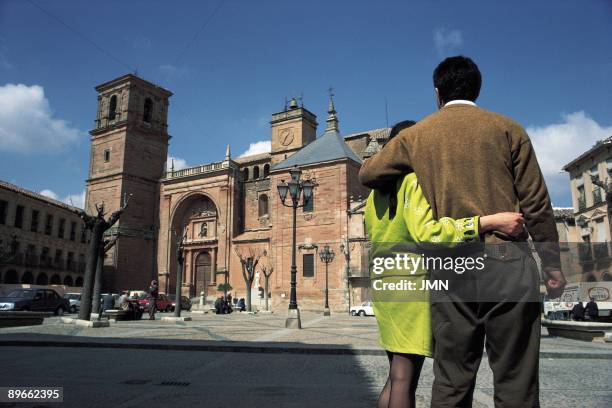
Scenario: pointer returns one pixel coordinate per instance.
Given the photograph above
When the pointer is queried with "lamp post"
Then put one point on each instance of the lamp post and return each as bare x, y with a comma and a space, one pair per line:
294, 187
327, 256
346, 251
180, 246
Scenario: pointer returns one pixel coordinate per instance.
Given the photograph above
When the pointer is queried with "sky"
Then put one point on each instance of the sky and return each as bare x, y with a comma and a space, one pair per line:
231, 63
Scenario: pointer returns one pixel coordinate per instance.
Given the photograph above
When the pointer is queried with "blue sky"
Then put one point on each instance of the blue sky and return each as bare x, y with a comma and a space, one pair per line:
547, 64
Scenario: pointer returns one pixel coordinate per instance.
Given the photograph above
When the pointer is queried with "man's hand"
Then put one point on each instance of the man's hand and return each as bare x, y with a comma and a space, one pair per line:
555, 283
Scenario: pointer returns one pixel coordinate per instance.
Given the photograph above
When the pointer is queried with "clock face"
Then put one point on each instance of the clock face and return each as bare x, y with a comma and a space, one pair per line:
286, 137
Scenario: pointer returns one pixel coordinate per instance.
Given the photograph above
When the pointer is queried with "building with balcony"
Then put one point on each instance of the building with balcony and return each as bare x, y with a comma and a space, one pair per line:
588, 173
43, 240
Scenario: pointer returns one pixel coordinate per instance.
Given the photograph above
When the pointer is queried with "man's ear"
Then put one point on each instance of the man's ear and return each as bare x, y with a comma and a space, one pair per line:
439, 100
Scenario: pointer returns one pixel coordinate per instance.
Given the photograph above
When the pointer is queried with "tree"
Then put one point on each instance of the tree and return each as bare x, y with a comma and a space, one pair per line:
224, 287
98, 225
108, 245
249, 263
267, 271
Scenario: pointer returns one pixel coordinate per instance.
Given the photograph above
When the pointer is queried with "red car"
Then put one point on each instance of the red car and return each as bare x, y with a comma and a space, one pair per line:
163, 304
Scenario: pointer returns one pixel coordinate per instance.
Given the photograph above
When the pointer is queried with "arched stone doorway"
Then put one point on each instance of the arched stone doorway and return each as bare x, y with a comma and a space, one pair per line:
68, 280
56, 280
10, 277
196, 216
203, 269
27, 278
78, 282
42, 279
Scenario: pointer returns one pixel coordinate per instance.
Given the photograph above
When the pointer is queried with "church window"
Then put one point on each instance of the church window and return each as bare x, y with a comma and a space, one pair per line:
112, 108
255, 172
148, 110
309, 205
263, 205
266, 172
308, 265
107, 155
245, 172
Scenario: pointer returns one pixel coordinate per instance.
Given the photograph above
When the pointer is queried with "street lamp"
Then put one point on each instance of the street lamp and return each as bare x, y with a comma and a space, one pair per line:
327, 256
295, 188
180, 246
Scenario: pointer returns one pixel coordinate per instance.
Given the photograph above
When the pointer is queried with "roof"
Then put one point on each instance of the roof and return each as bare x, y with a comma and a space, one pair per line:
40, 197
602, 143
331, 146
252, 158
380, 133
563, 213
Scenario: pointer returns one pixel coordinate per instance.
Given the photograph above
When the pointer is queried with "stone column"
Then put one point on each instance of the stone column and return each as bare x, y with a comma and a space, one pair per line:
213, 266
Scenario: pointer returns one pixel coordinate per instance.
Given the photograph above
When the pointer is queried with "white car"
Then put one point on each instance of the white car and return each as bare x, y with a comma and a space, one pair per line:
364, 309
75, 301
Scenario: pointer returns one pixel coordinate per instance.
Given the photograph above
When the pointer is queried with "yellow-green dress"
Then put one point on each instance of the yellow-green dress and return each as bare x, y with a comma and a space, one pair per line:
405, 326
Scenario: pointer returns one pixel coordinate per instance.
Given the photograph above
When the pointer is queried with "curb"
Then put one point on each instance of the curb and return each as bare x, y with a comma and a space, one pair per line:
244, 347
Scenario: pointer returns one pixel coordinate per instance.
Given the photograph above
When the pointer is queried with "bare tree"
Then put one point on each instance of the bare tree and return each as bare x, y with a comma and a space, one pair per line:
249, 263
267, 271
98, 225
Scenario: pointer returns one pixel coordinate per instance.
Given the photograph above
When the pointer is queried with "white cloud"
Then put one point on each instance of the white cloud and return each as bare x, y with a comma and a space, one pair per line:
447, 40
558, 144
263, 146
179, 163
49, 193
75, 200
172, 71
27, 124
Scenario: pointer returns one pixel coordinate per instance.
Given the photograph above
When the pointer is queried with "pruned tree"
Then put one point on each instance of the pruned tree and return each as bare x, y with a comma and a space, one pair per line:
98, 225
249, 262
267, 271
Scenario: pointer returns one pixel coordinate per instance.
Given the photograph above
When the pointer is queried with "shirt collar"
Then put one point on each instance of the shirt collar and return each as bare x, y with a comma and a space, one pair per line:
460, 102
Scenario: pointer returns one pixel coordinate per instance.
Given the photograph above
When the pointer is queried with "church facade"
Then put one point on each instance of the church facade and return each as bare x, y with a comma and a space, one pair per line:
230, 207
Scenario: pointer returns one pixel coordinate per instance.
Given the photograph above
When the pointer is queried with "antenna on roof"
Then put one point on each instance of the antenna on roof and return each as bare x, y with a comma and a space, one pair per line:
301, 99
386, 112
285, 108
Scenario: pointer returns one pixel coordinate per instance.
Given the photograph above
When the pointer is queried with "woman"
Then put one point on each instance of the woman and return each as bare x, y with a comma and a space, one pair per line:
405, 216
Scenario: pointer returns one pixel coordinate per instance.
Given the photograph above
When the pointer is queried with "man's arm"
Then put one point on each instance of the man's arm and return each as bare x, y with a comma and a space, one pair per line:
380, 171
535, 202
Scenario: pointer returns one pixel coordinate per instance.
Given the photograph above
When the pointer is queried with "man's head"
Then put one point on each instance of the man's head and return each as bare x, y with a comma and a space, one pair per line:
457, 78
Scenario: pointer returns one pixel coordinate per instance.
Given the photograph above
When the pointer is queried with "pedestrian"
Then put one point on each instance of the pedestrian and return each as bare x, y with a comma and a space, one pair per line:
241, 305
219, 305
578, 312
592, 311
152, 297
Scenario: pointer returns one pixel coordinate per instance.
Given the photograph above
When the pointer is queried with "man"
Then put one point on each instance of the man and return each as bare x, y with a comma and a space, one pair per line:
472, 161
152, 298
578, 312
592, 311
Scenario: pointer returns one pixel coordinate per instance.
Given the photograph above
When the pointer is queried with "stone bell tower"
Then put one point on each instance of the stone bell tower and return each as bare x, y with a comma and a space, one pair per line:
292, 129
129, 148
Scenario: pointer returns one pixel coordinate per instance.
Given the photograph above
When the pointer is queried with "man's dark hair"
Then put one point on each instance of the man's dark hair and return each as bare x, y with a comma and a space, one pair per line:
457, 78
399, 126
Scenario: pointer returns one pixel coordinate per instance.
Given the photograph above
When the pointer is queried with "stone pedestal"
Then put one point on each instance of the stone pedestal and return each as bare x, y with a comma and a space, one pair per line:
174, 319
326, 312
293, 319
92, 323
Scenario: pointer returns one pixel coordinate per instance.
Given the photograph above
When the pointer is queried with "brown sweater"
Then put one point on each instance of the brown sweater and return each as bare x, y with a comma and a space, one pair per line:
470, 161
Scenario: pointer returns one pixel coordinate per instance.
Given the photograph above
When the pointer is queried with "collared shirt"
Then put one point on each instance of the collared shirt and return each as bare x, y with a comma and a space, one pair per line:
460, 101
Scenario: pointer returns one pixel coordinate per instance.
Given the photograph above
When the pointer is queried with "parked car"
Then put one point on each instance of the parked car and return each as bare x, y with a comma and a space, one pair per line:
364, 309
185, 302
35, 300
74, 300
162, 304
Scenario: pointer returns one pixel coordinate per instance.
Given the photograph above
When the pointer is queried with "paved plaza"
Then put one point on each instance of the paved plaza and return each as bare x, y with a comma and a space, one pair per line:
332, 362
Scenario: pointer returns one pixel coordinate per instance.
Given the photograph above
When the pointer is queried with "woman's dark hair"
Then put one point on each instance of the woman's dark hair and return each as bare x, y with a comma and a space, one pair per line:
457, 78
398, 127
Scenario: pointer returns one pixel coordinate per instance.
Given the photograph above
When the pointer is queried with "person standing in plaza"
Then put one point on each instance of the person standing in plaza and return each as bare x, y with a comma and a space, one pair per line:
578, 312
472, 161
152, 297
592, 311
